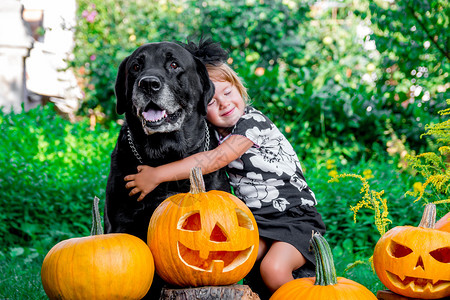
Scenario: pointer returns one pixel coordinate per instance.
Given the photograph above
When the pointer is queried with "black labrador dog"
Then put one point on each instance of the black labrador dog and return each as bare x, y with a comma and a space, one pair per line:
163, 89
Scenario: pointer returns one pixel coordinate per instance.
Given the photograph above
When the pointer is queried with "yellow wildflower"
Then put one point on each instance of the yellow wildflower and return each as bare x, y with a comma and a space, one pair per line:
418, 187
331, 164
368, 174
370, 199
333, 173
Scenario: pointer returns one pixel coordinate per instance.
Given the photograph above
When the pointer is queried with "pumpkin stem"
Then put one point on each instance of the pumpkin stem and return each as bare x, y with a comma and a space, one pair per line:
197, 183
429, 216
325, 270
97, 228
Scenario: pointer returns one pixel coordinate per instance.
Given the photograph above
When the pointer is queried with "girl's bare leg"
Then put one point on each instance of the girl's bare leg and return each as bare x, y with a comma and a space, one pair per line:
279, 262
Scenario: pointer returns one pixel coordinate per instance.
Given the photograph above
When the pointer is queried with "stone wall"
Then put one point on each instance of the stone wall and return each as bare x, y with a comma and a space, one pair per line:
15, 45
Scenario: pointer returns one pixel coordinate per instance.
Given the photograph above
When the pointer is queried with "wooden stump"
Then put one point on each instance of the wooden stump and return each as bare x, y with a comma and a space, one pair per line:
388, 295
225, 292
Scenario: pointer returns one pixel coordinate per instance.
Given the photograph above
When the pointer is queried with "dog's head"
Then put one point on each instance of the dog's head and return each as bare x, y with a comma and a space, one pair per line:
162, 84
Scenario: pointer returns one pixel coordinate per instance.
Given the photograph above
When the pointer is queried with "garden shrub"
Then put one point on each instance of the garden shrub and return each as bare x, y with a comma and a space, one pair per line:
307, 65
110, 30
434, 167
50, 171
411, 37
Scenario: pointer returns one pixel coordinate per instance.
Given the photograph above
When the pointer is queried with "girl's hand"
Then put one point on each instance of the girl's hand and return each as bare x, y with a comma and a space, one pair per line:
148, 178
143, 182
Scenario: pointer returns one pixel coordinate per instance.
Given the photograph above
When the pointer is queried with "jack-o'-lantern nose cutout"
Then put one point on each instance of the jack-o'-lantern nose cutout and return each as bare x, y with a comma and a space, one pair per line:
420, 264
217, 235
397, 250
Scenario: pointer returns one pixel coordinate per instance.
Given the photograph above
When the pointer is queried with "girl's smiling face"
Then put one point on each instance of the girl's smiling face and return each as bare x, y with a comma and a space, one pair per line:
226, 107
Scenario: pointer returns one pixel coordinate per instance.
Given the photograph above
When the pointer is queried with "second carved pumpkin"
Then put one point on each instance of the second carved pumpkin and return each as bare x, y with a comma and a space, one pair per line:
415, 261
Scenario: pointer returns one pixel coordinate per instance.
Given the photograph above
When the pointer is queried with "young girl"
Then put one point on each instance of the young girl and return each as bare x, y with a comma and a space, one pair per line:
264, 171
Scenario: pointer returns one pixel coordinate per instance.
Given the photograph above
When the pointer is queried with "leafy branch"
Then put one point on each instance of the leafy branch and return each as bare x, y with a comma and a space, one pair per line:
372, 200
433, 167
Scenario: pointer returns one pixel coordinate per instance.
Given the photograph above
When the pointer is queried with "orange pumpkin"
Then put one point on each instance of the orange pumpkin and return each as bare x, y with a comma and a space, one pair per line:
443, 223
203, 238
325, 285
101, 266
415, 261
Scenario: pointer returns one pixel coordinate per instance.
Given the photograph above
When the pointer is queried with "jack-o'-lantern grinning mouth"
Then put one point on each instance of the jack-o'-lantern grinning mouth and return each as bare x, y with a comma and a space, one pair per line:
418, 284
226, 260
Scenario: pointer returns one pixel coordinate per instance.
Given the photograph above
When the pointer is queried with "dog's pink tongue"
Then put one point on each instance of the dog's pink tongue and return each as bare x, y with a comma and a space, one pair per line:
152, 115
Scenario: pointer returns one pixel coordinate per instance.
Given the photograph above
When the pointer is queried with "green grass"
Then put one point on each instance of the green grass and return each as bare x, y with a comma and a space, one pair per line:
357, 268
21, 278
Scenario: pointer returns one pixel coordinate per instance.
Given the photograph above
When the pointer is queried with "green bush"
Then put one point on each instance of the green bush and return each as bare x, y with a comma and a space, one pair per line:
110, 30
412, 40
312, 72
50, 171
317, 73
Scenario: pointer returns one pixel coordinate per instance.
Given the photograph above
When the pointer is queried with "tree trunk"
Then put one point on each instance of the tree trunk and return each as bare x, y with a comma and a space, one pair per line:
227, 292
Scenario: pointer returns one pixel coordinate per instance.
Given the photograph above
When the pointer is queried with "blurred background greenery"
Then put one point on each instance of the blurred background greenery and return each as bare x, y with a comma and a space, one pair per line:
351, 84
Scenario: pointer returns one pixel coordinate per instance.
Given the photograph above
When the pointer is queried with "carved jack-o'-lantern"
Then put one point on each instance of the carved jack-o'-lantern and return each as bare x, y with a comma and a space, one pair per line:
415, 261
203, 238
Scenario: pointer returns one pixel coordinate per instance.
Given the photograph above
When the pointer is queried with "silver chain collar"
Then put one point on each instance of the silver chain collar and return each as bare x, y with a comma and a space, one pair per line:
207, 138
133, 148
139, 158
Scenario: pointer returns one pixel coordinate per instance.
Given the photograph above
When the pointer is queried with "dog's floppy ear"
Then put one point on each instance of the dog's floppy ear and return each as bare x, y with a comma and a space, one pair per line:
121, 88
208, 87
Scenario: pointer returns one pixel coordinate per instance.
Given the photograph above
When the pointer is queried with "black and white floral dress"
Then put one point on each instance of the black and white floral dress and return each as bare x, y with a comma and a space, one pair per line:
269, 179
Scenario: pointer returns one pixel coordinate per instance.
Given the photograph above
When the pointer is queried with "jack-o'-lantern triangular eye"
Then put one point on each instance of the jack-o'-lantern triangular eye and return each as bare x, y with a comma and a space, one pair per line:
398, 250
191, 222
243, 219
441, 255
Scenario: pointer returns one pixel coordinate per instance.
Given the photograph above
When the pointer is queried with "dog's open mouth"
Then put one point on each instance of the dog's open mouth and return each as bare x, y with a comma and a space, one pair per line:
155, 116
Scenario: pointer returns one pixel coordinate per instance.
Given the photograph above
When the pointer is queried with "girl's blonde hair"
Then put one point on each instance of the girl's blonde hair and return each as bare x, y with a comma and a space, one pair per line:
224, 72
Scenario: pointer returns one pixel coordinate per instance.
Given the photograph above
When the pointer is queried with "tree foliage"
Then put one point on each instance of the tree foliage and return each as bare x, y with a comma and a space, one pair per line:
412, 38
339, 73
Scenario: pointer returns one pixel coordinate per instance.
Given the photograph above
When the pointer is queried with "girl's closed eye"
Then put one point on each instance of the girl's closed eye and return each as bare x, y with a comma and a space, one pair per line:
213, 101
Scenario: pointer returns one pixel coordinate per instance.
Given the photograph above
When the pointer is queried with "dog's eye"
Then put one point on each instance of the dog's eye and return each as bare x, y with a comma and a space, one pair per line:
174, 65
136, 67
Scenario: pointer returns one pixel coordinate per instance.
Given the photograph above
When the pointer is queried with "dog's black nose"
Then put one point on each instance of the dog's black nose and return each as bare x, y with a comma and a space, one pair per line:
150, 83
